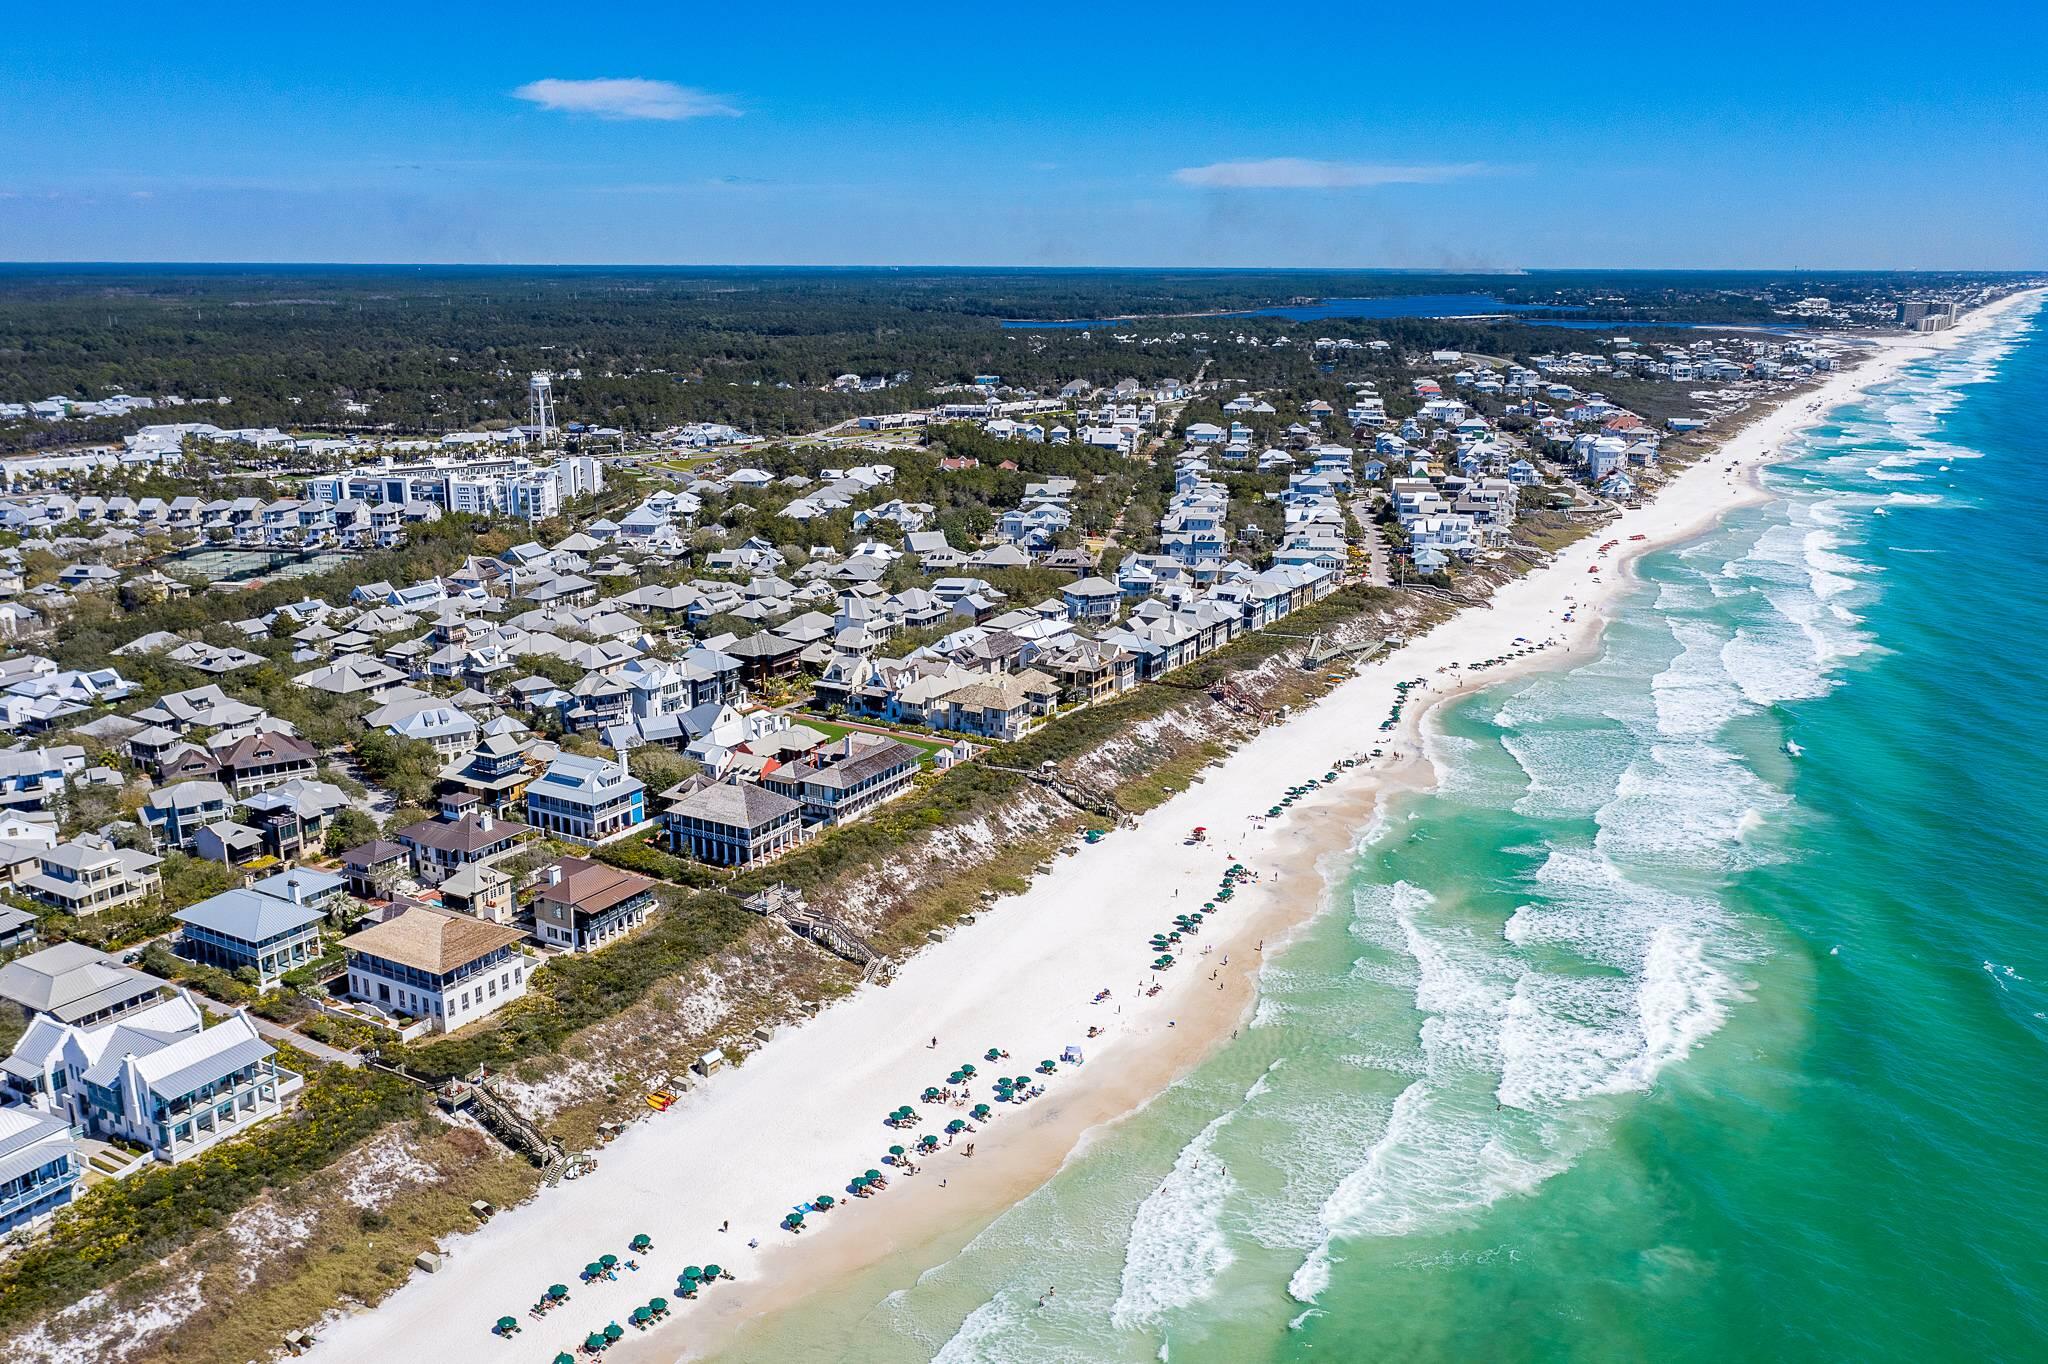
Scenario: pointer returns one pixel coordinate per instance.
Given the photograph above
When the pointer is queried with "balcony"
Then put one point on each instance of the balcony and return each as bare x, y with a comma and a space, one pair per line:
31, 1190
247, 1101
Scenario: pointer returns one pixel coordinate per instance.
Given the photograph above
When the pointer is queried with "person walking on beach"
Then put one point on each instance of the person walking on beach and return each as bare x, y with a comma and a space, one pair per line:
726, 1225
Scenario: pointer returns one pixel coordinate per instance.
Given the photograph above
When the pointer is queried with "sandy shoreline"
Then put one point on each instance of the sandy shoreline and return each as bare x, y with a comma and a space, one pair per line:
803, 1114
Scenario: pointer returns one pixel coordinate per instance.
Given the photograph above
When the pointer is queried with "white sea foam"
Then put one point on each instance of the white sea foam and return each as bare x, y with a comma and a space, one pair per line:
1312, 1277
1684, 804
985, 1337
1177, 1247
1694, 695
1570, 773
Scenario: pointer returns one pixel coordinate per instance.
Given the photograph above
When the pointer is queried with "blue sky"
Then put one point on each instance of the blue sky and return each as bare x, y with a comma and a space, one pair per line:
1466, 136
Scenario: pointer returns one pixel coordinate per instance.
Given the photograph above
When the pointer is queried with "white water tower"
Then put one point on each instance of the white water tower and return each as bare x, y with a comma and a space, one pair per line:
540, 407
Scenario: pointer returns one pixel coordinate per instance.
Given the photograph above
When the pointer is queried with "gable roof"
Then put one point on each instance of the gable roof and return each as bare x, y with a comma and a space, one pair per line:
71, 980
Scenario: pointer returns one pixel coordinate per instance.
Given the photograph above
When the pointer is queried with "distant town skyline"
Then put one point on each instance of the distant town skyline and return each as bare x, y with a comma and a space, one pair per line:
1501, 138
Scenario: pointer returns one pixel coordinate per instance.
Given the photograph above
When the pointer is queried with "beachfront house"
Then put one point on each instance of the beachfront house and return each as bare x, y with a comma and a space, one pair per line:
583, 905
448, 969
845, 779
153, 1076
40, 1167
730, 824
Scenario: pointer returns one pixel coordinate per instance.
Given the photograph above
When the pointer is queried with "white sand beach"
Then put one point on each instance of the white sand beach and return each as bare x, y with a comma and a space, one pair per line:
803, 1114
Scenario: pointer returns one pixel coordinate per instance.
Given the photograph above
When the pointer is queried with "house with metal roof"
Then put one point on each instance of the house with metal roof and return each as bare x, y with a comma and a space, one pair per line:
583, 905
180, 1096
91, 875
40, 1168
585, 799
269, 931
175, 814
153, 1076
74, 983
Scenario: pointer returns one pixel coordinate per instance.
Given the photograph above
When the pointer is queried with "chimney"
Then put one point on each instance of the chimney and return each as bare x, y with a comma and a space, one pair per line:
295, 892
483, 821
554, 873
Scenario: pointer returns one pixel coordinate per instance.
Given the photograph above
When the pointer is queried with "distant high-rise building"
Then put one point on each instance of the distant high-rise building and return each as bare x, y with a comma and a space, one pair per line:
1927, 315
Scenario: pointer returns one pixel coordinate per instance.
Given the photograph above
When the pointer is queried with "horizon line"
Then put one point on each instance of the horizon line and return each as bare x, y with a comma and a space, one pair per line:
28, 264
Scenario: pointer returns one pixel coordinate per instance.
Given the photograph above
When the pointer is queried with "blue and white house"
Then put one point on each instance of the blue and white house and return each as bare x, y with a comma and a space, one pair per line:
586, 800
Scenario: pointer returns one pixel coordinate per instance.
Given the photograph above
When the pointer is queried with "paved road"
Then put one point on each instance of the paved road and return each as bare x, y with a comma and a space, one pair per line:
277, 1033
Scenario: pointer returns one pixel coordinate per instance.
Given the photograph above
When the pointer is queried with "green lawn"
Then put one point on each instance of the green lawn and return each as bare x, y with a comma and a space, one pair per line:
831, 729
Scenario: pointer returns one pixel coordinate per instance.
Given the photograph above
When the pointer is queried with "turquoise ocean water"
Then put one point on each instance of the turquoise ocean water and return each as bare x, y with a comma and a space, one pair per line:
1701, 1013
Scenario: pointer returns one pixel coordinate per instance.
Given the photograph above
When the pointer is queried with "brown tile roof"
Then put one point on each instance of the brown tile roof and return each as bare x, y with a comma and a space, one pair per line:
465, 835
268, 747
593, 887
432, 941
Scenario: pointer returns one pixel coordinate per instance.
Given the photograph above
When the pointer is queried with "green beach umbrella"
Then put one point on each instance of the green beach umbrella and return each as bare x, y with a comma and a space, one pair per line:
874, 1175
824, 1200
565, 1358
696, 1272
992, 1054
608, 1260
712, 1271
592, 1270
595, 1341
614, 1331
506, 1323
895, 1150
643, 1314
955, 1078
659, 1304
642, 1241
558, 1290
967, 1070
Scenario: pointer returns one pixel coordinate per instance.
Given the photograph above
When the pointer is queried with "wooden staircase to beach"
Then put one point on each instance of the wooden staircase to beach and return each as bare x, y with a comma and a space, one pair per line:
785, 902
1321, 650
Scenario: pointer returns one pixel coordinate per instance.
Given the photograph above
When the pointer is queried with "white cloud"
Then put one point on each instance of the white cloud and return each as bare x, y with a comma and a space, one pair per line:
622, 97
1293, 172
